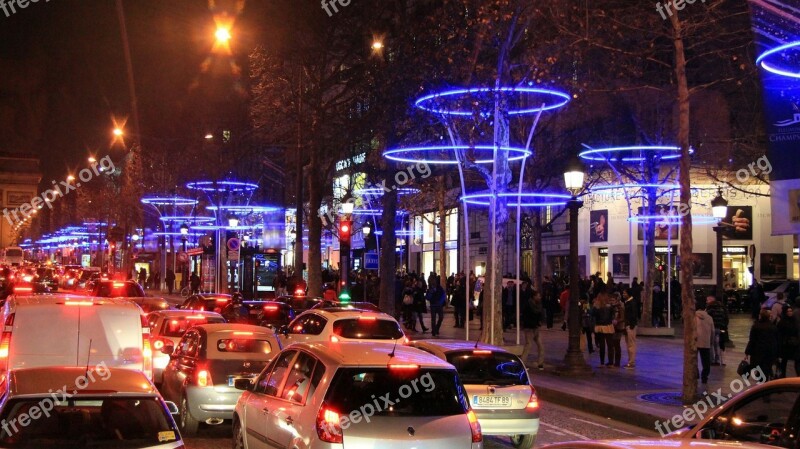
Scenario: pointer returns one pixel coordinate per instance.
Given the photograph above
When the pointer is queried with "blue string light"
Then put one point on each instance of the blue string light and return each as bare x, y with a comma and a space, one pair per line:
773, 67
435, 103
629, 154
168, 201
525, 199
447, 151
222, 186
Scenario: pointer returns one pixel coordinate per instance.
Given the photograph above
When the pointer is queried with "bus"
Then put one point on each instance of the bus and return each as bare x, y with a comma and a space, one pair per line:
12, 255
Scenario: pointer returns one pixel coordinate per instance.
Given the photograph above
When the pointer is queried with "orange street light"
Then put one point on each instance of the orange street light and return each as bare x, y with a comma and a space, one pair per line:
118, 132
223, 35
377, 45
92, 160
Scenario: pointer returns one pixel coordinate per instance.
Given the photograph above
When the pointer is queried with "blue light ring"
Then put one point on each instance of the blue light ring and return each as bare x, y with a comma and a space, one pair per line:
564, 98
589, 155
544, 199
391, 154
174, 218
672, 220
378, 191
168, 201
222, 186
774, 69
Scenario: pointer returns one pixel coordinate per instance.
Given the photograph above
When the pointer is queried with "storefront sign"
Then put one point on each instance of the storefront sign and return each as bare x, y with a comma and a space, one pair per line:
665, 249
603, 252
738, 250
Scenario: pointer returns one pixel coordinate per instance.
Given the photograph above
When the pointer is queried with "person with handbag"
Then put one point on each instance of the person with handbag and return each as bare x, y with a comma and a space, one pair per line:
418, 305
604, 327
704, 339
763, 344
618, 321
718, 313
788, 341
408, 304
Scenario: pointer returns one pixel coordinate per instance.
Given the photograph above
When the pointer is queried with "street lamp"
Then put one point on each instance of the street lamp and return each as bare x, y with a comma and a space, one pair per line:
366, 230
719, 208
117, 132
575, 363
223, 35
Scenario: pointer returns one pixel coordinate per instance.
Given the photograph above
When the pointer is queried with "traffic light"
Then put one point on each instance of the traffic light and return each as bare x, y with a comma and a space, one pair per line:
345, 228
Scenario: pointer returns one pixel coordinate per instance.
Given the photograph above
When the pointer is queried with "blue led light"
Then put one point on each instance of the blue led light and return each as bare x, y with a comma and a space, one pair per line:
552, 99
629, 154
635, 186
378, 191
525, 199
185, 219
246, 209
773, 67
222, 186
223, 227
672, 220
406, 154
168, 201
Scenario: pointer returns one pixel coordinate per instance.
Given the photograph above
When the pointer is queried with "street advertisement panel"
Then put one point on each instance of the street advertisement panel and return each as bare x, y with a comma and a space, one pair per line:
598, 228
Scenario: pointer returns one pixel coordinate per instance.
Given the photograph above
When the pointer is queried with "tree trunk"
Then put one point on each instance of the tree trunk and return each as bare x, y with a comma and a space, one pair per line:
536, 245
314, 234
440, 199
649, 252
388, 258
687, 258
298, 225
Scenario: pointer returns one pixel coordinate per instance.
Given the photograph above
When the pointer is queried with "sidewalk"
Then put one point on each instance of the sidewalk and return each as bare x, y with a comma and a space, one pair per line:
619, 393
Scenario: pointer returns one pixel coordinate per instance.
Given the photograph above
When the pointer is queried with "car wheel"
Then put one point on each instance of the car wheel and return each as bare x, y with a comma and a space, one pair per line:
523, 441
238, 435
188, 424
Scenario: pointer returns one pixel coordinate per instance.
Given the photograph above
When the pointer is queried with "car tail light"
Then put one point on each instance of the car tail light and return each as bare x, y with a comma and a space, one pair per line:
474, 427
23, 289
329, 427
147, 358
403, 366
299, 292
406, 340
271, 308
158, 344
250, 334
204, 379
367, 318
482, 352
533, 402
5, 344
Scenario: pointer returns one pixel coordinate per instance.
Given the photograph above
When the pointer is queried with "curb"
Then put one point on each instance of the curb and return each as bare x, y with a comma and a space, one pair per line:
596, 407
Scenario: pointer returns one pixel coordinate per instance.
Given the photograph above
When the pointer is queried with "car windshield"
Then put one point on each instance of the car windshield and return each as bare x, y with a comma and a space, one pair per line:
244, 345
412, 392
177, 326
488, 368
86, 422
369, 328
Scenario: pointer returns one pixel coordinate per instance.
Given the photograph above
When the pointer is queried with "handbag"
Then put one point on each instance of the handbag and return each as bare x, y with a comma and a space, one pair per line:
743, 368
408, 300
604, 329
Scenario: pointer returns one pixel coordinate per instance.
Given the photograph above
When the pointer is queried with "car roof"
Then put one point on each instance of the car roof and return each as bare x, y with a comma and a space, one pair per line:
450, 345
353, 354
173, 313
232, 327
42, 300
337, 313
45, 380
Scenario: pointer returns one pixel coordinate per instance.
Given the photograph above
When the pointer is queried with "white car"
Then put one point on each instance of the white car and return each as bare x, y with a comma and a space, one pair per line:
355, 395
497, 385
102, 407
167, 327
339, 325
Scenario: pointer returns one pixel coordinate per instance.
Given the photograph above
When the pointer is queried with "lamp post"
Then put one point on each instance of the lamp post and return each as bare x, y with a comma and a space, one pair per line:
719, 208
575, 363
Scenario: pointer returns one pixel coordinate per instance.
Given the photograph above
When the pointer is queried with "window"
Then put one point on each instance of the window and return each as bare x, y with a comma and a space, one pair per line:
272, 383
244, 345
763, 419
311, 324
358, 328
299, 378
177, 326
187, 347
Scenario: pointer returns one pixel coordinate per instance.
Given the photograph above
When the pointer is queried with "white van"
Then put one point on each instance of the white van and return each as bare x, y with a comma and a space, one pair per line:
13, 255
65, 330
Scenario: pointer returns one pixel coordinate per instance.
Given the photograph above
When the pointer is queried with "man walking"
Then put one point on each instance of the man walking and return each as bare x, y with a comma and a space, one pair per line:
719, 315
531, 319
705, 334
436, 297
631, 321
509, 304
170, 278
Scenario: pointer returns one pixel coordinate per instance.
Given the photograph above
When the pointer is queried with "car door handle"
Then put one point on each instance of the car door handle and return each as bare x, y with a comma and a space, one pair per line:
265, 410
289, 420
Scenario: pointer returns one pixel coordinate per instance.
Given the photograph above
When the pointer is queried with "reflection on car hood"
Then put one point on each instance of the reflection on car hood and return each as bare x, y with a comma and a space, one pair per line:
655, 443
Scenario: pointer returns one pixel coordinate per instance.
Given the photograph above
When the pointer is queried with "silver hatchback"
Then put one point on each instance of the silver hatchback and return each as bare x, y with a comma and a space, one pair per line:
498, 387
355, 395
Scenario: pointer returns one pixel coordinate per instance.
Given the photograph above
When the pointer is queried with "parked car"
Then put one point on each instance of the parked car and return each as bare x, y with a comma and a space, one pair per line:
66, 330
118, 408
259, 313
497, 386
167, 327
339, 325
212, 302
299, 303
323, 395
204, 366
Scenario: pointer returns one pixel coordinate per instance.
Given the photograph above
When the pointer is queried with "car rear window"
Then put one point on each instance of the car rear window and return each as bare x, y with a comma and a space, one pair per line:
176, 327
411, 392
244, 345
371, 329
96, 422
488, 368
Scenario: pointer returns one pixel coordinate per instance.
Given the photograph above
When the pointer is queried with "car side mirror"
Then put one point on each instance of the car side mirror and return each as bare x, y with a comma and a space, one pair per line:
173, 409
168, 349
707, 433
243, 384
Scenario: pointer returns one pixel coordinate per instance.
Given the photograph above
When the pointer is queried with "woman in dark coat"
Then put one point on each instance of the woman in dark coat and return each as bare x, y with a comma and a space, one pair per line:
419, 303
788, 341
459, 303
763, 345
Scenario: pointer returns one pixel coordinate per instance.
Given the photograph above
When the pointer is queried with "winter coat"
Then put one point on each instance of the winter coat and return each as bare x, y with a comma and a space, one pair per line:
719, 314
763, 344
631, 313
436, 296
705, 329
419, 301
788, 338
619, 316
530, 312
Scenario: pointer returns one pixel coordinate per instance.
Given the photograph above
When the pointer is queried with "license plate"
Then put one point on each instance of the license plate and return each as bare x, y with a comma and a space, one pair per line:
254, 312
491, 400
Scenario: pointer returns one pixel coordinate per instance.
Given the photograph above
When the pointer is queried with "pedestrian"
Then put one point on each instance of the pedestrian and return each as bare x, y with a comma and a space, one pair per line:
143, 277
170, 278
419, 303
408, 306
659, 301
451, 283
631, 321
509, 304
194, 283
587, 323
562, 303
756, 298
548, 294
788, 342
437, 298
619, 328
604, 327
762, 348
157, 280
704, 339
719, 314
776, 312
460, 302
530, 319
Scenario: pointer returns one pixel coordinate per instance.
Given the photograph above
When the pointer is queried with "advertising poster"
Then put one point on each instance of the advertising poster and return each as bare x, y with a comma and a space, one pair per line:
773, 266
666, 228
598, 227
621, 265
703, 266
738, 223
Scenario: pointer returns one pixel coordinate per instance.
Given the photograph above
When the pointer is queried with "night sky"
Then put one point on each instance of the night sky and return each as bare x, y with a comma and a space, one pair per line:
64, 77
